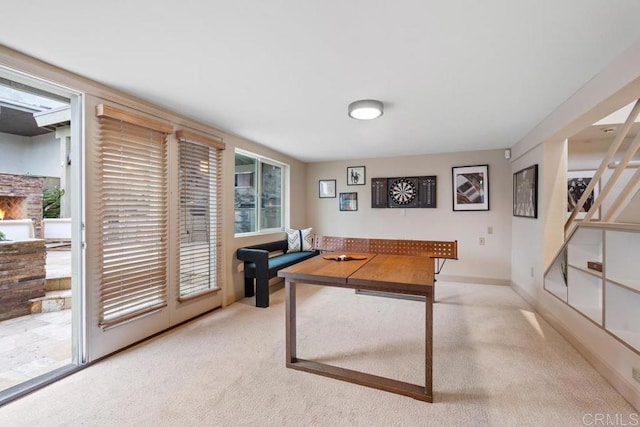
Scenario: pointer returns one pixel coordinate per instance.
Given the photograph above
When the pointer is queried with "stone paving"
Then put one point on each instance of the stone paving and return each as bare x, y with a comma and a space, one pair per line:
38, 343
33, 345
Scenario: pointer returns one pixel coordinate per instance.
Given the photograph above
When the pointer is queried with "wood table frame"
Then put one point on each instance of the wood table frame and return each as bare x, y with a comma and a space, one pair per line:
412, 275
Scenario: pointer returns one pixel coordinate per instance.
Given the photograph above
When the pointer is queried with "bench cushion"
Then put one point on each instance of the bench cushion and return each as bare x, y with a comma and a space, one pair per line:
279, 262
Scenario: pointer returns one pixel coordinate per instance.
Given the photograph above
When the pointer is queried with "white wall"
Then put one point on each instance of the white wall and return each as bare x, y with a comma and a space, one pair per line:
527, 260
38, 155
489, 263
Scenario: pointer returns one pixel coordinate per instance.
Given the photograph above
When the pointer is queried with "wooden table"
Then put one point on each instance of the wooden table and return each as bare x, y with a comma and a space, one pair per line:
402, 274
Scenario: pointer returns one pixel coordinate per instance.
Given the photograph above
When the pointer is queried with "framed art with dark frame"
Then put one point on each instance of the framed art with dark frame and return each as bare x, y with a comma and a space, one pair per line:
327, 188
577, 182
525, 192
348, 201
470, 185
356, 175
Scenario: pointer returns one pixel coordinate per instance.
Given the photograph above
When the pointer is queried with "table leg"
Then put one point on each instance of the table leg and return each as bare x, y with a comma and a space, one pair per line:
290, 302
429, 343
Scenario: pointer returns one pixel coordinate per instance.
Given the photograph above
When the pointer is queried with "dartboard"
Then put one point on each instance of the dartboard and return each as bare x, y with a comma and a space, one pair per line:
402, 191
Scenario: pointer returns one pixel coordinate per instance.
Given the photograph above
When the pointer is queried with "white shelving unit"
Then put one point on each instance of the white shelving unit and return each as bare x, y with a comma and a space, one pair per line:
610, 298
585, 293
554, 281
622, 258
622, 309
585, 246
584, 284
623, 314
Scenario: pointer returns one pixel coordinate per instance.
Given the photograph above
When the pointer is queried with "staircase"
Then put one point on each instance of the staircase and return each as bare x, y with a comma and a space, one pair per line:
596, 271
621, 194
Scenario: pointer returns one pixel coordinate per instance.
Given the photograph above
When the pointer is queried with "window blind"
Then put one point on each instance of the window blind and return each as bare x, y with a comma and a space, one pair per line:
200, 253
133, 215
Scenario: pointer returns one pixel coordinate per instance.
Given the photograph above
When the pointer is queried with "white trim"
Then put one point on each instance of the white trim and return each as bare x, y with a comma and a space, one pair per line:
478, 280
284, 191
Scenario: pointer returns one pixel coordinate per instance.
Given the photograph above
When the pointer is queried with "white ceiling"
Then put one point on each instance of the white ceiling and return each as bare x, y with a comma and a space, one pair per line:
454, 75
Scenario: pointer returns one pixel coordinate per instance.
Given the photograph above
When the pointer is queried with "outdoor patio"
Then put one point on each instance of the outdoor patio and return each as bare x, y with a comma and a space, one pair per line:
38, 343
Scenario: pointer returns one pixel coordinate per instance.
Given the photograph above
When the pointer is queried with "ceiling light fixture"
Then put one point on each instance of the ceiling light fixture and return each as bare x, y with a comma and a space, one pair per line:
365, 109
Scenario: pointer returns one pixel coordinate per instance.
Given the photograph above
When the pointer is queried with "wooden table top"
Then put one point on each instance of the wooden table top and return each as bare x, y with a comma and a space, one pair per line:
410, 274
319, 269
406, 273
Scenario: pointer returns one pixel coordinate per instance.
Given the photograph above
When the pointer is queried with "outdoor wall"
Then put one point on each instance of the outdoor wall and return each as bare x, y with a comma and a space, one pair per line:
489, 263
22, 155
13, 147
46, 149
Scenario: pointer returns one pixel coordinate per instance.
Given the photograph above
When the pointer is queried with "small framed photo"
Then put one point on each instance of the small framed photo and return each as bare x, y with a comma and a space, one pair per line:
356, 175
327, 188
348, 201
577, 182
525, 192
470, 188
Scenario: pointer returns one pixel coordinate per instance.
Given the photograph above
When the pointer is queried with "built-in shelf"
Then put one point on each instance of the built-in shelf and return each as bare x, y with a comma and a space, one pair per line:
585, 293
585, 246
592, 272
622, 258
611, 297
554, 280
623, 314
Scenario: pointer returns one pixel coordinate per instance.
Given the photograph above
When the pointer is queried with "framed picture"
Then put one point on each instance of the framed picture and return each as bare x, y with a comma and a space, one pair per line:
525, 192
470, 188
327, 188
356, 175
348, 201
577, 182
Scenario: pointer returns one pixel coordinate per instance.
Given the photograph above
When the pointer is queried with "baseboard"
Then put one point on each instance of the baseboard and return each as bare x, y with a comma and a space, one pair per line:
479, 280
617, 381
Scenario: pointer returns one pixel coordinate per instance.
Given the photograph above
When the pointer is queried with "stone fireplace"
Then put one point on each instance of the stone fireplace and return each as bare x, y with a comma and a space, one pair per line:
21, 198
13, 207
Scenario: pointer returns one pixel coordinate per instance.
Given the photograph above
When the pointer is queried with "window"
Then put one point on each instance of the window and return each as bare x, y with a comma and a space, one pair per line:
259, 189
200, 214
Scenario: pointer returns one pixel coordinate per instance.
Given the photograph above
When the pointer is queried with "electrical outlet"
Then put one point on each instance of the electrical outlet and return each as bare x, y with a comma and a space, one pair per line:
490, 230
635, 373
482, 241
531, 271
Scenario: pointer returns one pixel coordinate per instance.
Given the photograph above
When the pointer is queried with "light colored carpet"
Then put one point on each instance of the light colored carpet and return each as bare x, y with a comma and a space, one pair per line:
496, 363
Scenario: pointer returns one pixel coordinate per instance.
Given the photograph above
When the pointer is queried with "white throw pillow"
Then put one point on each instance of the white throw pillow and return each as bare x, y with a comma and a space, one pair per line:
299, 240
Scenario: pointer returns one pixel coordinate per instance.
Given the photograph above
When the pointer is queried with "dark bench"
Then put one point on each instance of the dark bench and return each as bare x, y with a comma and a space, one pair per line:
261, 265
